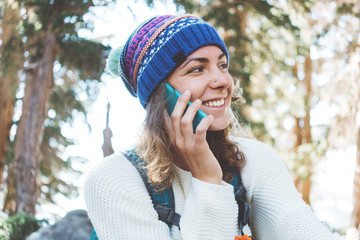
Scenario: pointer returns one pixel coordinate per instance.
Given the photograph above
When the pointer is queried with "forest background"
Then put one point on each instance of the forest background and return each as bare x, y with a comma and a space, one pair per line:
299, 65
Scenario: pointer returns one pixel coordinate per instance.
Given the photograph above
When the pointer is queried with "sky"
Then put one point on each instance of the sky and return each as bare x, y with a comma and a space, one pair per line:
332, 188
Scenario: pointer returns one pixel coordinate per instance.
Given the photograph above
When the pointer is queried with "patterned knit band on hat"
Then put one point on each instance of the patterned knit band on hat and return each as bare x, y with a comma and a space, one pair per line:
157, 47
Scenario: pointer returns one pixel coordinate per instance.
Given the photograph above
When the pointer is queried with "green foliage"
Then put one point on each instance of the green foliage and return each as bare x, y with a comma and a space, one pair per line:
187, 5
87, 57
56, 13
77, 71
306, 152
346, 8
10, 153
65, 18
65, 106
52, 164
18, 227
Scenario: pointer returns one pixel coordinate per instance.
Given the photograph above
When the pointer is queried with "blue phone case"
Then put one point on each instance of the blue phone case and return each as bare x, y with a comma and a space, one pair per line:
171, 98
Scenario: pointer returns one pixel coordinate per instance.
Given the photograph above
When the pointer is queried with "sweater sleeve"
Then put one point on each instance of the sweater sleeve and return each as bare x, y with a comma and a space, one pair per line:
118, 203
277, 210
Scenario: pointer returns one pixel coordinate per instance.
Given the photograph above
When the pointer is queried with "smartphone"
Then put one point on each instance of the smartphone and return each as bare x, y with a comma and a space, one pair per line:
172, 97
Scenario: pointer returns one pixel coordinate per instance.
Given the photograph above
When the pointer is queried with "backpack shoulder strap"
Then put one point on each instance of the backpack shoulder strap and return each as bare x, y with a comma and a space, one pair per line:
164, 202
240, 196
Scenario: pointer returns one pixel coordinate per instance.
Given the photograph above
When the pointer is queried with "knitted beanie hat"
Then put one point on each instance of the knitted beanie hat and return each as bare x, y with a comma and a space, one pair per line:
156, 48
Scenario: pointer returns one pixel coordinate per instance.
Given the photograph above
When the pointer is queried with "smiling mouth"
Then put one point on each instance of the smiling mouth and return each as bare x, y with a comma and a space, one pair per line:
215, 103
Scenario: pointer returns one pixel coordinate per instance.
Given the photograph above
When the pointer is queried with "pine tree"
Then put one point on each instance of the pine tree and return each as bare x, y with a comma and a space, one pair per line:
50, 28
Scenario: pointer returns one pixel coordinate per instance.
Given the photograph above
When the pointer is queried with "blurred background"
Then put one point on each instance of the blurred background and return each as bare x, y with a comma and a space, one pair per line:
61, 112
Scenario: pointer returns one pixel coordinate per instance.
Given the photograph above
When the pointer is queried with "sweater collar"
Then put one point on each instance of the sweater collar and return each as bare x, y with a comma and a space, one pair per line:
184, 178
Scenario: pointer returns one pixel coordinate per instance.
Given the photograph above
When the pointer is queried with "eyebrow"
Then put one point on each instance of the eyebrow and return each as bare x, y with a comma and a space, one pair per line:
200, 59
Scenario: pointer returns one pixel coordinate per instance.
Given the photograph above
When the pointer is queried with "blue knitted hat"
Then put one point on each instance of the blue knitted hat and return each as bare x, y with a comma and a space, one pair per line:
156, 48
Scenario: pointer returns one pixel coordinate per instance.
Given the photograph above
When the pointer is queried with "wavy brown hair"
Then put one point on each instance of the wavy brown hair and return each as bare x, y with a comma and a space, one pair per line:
155, 148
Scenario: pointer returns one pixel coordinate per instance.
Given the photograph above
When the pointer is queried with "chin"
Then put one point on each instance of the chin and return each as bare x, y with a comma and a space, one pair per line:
218, 126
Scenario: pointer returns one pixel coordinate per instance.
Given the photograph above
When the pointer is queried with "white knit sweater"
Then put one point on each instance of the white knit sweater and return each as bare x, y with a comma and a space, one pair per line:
120, 207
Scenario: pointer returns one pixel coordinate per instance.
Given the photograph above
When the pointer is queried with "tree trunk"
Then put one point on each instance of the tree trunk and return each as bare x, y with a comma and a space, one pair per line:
10, 64
354, 230
107, 146
39, 82
302, 130
306, 185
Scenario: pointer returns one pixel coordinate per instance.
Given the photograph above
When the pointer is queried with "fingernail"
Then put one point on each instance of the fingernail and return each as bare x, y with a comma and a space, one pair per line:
198, 101
187, 93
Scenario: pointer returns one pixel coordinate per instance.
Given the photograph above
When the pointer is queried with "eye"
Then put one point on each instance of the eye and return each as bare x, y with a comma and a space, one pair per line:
223, 66
196, 69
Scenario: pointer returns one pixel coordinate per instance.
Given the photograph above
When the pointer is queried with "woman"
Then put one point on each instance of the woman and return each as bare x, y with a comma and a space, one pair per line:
188, 54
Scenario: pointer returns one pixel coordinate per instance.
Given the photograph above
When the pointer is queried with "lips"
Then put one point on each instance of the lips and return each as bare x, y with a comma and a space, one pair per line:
215, 103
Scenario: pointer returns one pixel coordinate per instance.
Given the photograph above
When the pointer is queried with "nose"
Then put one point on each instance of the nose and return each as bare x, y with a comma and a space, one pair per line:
220, 79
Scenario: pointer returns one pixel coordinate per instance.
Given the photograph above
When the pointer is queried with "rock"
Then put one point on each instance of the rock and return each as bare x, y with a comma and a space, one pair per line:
75, 225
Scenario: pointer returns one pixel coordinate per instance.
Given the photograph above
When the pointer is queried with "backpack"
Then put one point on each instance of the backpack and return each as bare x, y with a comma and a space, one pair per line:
164, 202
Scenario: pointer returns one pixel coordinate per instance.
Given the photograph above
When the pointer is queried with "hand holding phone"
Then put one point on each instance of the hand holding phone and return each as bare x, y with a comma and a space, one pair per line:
196, 155
172, 97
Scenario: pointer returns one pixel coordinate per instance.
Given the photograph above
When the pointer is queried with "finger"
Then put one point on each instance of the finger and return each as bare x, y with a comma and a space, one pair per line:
178, 112
188, 118
202, 128
168, 127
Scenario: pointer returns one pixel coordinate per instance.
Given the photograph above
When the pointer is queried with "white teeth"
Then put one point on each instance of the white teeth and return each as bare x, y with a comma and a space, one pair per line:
216, 103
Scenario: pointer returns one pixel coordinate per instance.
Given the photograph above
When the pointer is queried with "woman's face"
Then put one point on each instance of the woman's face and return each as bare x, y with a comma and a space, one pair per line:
204, 73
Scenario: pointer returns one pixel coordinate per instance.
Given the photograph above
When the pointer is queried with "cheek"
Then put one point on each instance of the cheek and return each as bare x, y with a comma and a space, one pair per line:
192, 85
178, 83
